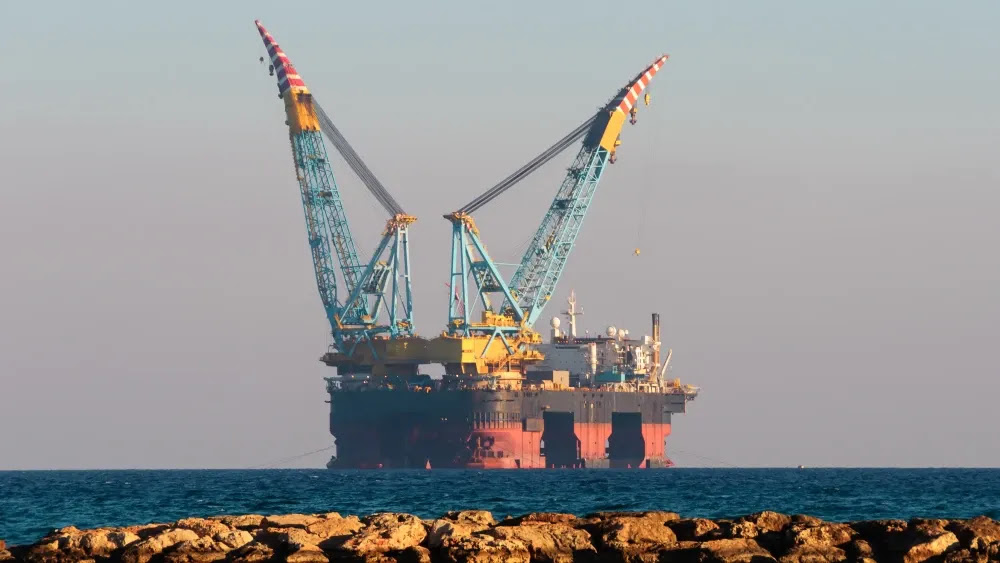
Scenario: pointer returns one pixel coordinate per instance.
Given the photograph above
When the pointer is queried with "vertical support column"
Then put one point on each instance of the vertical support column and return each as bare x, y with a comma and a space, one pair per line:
593, 439
404, 235
656, 342
394, 260
458, 279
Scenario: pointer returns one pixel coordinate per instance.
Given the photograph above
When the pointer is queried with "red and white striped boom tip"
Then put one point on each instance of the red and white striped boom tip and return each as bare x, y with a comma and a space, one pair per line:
286, 73
640, 84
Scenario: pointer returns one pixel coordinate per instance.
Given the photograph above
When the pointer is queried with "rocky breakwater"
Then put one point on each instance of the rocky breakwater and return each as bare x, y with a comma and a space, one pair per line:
476, 536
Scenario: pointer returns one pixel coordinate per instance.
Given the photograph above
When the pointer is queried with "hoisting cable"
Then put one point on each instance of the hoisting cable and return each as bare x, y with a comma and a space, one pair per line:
354, 161
704, 458
534, 164
287, 459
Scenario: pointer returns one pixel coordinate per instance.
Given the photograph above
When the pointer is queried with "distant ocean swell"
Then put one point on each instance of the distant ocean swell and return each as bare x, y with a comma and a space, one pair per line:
32, 503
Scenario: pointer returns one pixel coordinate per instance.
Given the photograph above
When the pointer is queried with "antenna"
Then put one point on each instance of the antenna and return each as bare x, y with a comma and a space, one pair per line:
571, 314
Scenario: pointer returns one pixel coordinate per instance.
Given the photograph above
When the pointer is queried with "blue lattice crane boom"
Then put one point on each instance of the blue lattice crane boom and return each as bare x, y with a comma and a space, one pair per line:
545, 258
375, 302
501, 339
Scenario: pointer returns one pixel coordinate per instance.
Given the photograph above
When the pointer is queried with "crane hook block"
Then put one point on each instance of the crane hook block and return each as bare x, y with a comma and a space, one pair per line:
647, 98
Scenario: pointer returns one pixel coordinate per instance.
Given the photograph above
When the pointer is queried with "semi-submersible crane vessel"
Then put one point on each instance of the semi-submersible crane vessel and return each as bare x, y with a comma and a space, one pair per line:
507, 399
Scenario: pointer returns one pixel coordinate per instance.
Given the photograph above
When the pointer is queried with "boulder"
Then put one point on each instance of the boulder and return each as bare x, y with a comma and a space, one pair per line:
805, 519
122, 538
242, 522
879, 533
201, 550
144, 550
819, 535
767, 528
203, 526
742, 529
814, 554
417, 554
965, 556
928, 527
386, 532
409, 555
146, 531
253, 552
288, 521
99, 542
234, 538
769, 521
659, 515
477, 517
860, 549
976, 533
547, 542
631, 535
443, 530
335, 526
307, 554
930, 547
457, 525
545, 517
734, 551
691, 529
287, 539
485, 549
44, 549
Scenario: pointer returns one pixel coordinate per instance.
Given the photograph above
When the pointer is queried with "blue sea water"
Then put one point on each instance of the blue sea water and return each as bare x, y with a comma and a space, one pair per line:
34, 502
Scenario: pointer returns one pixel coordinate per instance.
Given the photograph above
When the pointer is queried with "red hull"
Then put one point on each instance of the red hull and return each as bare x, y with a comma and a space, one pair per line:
501, 429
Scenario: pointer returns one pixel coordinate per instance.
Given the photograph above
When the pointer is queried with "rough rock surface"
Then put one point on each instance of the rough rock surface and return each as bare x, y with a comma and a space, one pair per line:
693, 529
976, 533
243, 522
547, 542
203, 549
335, 527
387, 532
484, 549
235, 539
475, 536
814, 554
632, 535
289, 521
203, 527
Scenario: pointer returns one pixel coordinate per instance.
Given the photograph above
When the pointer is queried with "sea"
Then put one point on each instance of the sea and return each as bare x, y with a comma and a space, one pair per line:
33, 503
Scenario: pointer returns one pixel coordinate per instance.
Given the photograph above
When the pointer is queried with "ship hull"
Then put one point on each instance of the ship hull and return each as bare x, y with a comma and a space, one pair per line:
502, 429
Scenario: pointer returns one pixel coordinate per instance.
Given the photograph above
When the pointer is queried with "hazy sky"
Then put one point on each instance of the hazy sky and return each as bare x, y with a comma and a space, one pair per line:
814, 191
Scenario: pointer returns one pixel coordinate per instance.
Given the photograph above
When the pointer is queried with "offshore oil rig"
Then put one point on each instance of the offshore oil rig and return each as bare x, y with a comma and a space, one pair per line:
507, 399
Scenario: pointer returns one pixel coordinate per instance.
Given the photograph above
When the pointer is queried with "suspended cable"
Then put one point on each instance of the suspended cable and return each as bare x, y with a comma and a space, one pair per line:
356, 164
532, 165
354, 161
292, 458
703, 458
